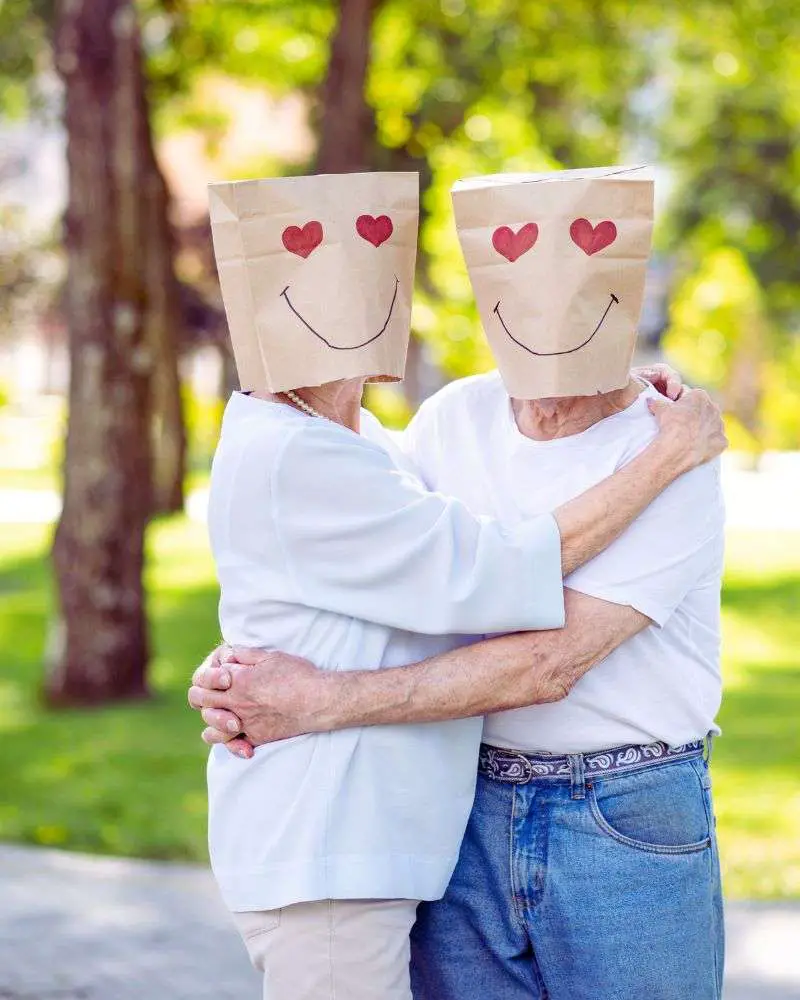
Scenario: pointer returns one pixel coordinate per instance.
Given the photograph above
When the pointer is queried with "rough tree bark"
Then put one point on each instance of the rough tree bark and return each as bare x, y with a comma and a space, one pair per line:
347, 126
115, 286
163, 322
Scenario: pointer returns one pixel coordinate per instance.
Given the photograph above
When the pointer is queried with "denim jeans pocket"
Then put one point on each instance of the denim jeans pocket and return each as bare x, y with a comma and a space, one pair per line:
661, 810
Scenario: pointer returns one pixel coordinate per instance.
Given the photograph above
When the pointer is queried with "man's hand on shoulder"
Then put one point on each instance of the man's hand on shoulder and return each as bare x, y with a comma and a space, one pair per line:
695, 427
691, 430
248, 697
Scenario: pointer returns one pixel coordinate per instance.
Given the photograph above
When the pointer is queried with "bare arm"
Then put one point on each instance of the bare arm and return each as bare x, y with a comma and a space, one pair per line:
497, 674
280, 695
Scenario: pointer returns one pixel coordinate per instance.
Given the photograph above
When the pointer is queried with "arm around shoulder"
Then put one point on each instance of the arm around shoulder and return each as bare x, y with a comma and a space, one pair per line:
364, 538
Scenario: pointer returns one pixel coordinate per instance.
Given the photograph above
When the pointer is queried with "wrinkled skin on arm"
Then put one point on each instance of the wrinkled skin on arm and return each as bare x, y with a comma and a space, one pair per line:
275, 695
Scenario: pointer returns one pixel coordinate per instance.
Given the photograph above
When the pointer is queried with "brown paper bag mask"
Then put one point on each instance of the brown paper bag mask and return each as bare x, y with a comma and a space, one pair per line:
557, 263
317, 275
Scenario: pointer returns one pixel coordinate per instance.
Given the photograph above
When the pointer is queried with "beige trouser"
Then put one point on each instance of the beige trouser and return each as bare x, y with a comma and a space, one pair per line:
333, 949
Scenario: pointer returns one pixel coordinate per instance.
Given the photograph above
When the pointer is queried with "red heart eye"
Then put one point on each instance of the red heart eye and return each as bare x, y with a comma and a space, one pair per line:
513, 245
374, 231
302, 241
591, 238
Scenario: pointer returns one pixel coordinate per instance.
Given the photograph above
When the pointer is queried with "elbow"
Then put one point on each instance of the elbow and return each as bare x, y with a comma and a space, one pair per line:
556, 689
552, 680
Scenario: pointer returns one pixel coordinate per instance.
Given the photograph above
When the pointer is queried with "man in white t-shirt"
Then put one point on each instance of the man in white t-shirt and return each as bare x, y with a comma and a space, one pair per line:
593, 873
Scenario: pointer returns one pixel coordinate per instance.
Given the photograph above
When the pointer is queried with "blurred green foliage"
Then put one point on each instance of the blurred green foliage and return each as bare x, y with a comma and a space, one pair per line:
723, 333
709, 90
733, 135
389, 405
24, 53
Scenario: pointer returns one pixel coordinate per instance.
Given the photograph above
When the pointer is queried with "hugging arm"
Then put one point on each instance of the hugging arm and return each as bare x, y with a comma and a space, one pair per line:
278, 696
674, 547
502, 673
690, 434
364, 539
374, 544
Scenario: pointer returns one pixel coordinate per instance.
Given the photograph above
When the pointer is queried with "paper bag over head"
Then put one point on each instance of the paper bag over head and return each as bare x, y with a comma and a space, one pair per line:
317, 275
557, 263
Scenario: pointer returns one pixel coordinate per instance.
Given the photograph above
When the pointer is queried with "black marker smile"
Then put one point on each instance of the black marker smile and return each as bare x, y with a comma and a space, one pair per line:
335, 347
552, 354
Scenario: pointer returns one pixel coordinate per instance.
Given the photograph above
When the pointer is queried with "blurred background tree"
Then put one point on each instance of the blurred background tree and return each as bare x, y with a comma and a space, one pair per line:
732, 137
122, 312
711, 94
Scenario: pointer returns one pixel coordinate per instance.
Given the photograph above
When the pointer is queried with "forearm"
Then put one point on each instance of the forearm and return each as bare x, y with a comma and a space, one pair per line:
593, 520
494, 675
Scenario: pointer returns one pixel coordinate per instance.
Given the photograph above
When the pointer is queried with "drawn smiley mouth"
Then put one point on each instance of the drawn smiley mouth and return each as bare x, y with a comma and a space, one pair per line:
551, 354
337, 347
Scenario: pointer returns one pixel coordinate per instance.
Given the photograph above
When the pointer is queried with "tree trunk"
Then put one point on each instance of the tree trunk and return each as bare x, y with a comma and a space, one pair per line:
163, 321
99, 547
169, 434
347, 120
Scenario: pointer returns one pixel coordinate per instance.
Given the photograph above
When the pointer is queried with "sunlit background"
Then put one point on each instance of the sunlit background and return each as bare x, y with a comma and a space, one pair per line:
709, 92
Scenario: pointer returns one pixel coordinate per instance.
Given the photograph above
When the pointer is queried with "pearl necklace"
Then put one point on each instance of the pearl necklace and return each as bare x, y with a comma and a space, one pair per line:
301, 404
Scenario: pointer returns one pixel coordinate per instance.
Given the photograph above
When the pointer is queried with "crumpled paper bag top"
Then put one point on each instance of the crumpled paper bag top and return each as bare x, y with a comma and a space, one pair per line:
317, 275
557, 262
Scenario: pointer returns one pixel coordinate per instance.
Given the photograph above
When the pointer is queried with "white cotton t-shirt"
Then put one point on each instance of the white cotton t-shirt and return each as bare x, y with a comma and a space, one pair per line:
328, 547
664, 683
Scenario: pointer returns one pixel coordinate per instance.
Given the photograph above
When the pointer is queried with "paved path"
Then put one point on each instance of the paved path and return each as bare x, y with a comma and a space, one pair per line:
74, 927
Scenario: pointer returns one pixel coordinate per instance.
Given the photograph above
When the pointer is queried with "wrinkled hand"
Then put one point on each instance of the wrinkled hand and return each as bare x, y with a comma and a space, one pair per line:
662, 377
691, 427
248, 697
214, 675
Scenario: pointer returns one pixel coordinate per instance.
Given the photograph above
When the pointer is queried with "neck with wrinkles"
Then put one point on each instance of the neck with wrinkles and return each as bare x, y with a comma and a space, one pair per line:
339, 401
547, 419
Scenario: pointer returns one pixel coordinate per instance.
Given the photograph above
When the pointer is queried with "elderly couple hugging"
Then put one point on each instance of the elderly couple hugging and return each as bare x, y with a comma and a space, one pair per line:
461, 718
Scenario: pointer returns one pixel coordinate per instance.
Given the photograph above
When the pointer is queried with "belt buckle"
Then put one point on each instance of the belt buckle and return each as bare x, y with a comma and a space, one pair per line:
525, 773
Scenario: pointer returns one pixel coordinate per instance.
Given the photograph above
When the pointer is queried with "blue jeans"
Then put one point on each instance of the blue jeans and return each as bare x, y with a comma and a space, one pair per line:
608, 890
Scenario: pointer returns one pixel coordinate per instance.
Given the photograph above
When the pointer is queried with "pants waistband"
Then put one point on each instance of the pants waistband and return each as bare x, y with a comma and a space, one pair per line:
517, 768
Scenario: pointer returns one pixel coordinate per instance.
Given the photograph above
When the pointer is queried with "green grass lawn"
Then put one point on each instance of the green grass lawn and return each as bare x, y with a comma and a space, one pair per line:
130, 780
757, 761
126, 780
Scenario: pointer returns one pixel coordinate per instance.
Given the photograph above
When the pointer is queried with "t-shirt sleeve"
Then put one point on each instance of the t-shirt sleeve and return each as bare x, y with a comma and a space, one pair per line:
363, 538
675, 545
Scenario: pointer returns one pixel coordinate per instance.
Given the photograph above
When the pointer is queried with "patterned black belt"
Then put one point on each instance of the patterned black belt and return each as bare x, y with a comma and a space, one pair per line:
519, 768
